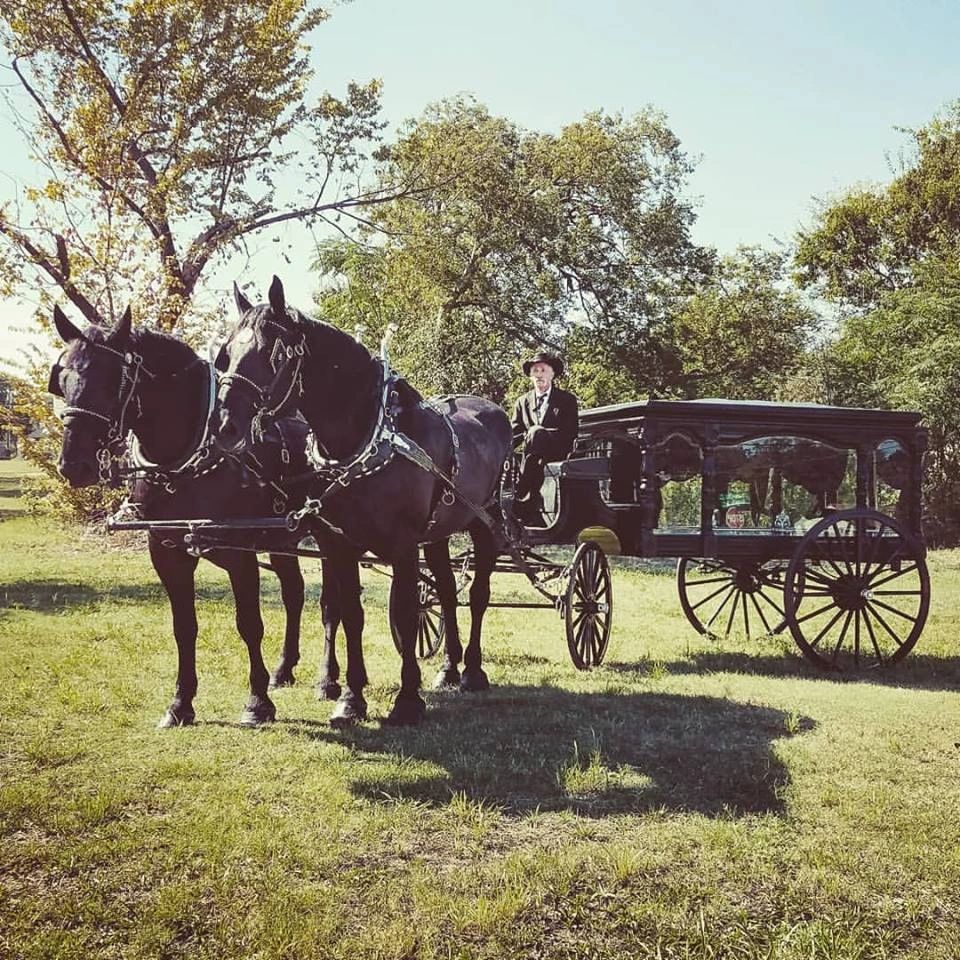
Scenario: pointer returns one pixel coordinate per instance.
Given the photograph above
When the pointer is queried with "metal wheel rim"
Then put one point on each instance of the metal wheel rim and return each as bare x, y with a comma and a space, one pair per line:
588, 606
849, 605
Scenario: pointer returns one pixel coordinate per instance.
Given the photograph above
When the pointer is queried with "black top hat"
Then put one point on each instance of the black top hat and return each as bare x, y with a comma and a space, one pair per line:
542, 356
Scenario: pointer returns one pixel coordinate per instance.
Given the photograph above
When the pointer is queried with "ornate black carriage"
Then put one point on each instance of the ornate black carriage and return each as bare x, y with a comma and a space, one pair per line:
781, 516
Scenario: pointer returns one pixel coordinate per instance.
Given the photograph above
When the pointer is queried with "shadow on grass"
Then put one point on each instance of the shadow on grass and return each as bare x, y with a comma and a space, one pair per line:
52, 596
528, 748
916, 671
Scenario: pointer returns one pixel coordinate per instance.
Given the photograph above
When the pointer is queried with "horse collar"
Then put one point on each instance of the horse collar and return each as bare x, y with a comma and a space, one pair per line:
194, 462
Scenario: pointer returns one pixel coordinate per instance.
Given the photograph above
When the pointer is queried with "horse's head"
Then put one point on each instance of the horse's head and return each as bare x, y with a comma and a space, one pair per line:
259, 367
95, 377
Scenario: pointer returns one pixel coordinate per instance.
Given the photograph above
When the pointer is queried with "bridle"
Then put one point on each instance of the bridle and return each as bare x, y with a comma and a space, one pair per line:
286, 361
109, 449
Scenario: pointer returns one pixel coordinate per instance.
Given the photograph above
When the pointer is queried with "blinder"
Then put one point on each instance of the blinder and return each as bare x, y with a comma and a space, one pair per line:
53, 385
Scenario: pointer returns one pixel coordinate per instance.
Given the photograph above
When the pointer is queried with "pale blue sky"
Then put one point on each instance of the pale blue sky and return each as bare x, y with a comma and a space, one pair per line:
781, 102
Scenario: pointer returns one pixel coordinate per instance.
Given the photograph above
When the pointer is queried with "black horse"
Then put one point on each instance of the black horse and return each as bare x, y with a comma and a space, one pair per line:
156, 387
396, 471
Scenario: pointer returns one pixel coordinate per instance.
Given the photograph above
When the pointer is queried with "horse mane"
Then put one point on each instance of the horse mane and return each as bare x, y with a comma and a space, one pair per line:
167, 353
162, 353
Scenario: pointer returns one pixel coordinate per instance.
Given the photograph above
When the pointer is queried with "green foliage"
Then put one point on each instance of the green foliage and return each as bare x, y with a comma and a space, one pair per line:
577, 240
163, 127
873, 241
163, 131
30, 417
888, 256
742, 333
906, 354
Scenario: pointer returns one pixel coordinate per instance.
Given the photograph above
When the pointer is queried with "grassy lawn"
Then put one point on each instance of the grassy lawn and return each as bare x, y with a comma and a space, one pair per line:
11, 473
684, 800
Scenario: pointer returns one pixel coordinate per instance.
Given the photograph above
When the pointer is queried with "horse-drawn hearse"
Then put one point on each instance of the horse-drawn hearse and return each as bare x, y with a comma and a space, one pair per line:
781, 516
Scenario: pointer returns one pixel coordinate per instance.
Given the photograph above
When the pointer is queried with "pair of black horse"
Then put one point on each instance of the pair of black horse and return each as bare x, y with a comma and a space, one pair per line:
392, 472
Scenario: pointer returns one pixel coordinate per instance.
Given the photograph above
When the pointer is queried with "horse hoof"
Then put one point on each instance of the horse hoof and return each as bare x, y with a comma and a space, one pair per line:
447, 679
330, 690
179, 718
407, 712
474, 681
282, 678
350, 710
259, 715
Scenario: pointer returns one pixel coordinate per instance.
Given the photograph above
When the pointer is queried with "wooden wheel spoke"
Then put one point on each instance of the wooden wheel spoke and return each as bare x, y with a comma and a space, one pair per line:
871, 559
815, 613
582, 644
731, 591
886, 626
873, 637
826, 558
843, 632
733, 613
886, 606
826, 629
728, 588
763, 619
818, 577
893, 576
708, 580
773, 603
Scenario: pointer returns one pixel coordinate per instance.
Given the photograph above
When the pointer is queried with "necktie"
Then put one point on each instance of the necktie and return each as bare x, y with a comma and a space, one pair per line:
538, 409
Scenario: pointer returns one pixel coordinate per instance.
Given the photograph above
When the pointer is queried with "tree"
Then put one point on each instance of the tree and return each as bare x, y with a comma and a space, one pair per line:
579, 238
905, 354
870, 241
744, 333
162, 130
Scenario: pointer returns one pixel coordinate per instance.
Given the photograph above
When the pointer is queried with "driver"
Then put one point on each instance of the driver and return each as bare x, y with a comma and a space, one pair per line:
545, 424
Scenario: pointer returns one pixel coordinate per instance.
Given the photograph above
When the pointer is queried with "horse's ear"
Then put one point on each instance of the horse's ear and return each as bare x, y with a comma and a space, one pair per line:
277, 300
121, 329
243, 304
68, 332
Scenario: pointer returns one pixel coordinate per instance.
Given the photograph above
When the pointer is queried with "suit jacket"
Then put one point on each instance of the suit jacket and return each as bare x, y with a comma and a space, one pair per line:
560, 422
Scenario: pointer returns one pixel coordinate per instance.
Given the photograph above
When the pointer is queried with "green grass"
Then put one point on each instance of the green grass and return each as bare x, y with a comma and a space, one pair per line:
685, 800
11, 499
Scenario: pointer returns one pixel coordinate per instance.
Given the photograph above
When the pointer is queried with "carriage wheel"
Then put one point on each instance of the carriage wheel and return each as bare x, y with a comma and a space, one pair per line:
743, 598
588, 606
430, 624
857, 591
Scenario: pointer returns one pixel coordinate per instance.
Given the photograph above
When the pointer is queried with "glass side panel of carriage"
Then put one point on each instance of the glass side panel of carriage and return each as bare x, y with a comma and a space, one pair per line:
848, 580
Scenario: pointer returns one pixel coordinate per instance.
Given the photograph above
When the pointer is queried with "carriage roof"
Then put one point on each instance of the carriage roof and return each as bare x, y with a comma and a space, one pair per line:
752, 417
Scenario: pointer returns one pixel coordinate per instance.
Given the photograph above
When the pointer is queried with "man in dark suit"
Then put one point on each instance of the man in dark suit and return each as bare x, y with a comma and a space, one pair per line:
545, 423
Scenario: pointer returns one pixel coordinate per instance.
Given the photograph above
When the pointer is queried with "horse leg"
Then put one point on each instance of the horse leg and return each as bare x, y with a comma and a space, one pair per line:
351, 706
175, 569
288, 573
484, 557
245, 581
409, 707
437, 556
330, 612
